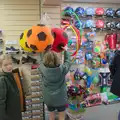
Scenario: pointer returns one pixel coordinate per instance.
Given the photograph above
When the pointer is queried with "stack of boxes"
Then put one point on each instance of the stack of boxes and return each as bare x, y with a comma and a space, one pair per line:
34, 103
27, 115
37, 97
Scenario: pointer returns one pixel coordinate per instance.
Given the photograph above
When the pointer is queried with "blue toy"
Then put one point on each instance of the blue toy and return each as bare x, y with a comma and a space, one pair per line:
79, 24
80, 11
89, 24
110, 12
90, 11
117, 13
68, 11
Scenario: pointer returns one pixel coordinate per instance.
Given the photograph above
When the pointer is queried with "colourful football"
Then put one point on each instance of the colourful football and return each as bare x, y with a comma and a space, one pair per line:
60, 39
23, 41
40, 38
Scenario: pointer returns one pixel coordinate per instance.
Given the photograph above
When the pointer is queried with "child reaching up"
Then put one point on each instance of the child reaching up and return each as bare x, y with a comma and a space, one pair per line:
54, 86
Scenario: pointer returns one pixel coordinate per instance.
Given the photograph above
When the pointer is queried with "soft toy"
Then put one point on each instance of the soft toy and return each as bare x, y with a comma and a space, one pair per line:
39, 38
23, 41
60, 39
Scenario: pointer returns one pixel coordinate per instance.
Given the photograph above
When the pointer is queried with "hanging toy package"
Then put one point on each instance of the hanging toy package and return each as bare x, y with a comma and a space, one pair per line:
45, 19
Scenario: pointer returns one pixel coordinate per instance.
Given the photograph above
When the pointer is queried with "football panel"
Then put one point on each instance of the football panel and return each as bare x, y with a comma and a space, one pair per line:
53, 34
26, 45
34, 47
59, 47
48, 47
21, 36
41, 25
29, 33
41, 36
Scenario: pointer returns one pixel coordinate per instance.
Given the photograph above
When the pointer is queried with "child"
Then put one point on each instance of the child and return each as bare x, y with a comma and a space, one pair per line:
54, 88
9, 93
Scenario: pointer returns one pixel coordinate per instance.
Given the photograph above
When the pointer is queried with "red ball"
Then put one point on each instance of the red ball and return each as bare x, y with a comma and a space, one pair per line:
60, 39
99, 11
99, 24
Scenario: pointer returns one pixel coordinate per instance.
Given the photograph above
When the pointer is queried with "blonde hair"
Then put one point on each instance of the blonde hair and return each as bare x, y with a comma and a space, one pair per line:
51, 59
4, 57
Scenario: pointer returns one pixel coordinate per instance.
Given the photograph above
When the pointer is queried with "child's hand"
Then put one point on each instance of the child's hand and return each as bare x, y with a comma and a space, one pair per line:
65, 48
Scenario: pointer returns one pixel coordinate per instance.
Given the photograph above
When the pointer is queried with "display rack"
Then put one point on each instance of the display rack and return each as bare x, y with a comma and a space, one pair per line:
34, 102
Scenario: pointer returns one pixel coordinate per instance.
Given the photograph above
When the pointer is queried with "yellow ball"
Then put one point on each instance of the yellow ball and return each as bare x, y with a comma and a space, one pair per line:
23, 42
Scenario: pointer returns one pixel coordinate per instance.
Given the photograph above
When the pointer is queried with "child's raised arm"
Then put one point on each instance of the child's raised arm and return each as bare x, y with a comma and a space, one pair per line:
67, 62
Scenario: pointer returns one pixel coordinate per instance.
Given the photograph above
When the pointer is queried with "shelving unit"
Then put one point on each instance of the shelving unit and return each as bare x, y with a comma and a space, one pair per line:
34, 103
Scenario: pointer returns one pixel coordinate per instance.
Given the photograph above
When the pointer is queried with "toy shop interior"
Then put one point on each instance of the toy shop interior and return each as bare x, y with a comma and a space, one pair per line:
91, 31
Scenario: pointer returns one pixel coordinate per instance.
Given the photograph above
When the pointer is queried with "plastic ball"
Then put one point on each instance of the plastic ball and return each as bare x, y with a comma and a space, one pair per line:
79, 24
80, 11
108, 25
113, 25
89, 24
68, 11
60, 39
117, 13
23, 42
118, 25
110, 12
90, 11
99, 11
39, 38
99, 24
